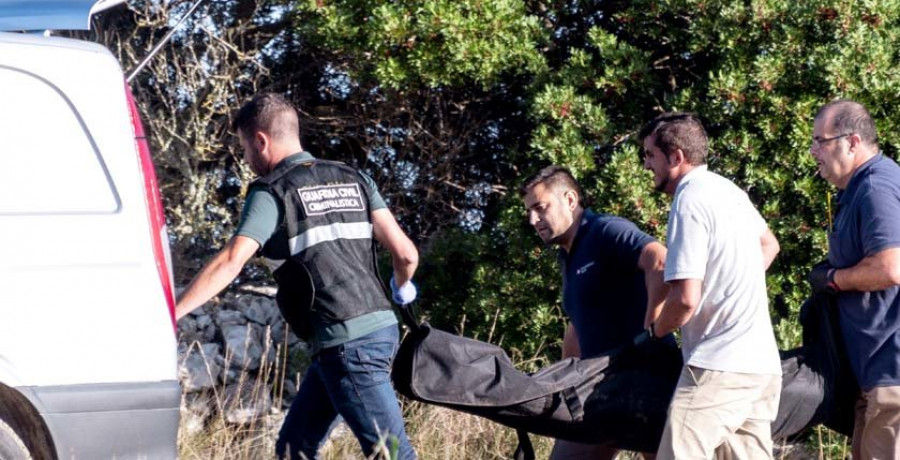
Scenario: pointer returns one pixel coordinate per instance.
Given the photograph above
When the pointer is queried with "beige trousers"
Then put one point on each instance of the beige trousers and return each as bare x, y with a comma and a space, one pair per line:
876, 432
721, 415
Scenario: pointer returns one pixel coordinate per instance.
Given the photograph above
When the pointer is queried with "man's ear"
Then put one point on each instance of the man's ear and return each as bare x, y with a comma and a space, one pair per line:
855, 143
677, 158
571, 199
261, 140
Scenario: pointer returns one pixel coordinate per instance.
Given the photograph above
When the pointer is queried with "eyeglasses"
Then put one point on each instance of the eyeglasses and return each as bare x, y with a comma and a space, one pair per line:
819, 141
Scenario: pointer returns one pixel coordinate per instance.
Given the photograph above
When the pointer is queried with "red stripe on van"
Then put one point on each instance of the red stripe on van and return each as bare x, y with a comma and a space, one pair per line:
158, 233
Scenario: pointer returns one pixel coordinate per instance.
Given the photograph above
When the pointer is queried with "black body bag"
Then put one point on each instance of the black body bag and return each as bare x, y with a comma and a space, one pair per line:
619, 400
817, 386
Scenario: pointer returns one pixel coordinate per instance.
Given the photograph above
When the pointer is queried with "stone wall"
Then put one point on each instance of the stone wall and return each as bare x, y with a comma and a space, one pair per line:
238, 359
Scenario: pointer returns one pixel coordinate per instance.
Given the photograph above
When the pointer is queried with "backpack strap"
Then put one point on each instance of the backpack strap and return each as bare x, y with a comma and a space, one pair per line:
573, 402
524, 451
409, 317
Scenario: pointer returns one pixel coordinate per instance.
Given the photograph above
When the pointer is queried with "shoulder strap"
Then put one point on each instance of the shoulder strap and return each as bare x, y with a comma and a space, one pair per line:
409, 316
524, 451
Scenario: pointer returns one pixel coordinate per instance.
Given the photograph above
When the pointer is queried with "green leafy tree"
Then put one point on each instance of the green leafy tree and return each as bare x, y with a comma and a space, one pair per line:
584, 77
450, 104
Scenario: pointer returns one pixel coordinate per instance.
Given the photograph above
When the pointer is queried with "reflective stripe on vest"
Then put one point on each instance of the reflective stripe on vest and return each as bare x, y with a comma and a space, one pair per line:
333, 232
328, 237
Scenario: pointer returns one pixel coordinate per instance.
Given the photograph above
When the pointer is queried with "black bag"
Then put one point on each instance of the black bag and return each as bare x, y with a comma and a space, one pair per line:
619, 400
818, 386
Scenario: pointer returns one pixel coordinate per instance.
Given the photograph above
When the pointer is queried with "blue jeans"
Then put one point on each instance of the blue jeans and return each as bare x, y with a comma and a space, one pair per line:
353, 380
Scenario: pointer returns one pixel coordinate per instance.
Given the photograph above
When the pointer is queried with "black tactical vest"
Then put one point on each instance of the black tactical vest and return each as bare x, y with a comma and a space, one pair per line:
330, 272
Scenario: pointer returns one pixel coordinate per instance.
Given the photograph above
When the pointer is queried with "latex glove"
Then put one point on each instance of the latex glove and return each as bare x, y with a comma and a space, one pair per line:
404, 294
821, 278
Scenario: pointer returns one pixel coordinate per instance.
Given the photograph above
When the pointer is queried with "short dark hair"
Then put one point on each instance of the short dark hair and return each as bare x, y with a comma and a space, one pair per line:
679, 130
851, 117
552, 177
270, 113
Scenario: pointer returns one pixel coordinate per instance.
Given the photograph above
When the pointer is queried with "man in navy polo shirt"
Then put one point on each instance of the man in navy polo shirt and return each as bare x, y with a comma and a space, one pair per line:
863, 267
612, 276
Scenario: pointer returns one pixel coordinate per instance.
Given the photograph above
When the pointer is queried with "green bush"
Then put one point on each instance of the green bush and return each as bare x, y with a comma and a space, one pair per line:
449, 104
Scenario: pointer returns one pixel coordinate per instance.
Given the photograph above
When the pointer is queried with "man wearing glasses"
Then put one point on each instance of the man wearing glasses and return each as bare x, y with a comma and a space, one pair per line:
863, 267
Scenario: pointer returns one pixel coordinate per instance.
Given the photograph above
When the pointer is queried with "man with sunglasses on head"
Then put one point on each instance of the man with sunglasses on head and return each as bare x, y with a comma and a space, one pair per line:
719, 248
863, 267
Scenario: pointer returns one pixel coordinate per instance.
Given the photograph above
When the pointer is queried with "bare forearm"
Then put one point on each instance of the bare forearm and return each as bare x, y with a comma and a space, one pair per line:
404, 255
874, 273
673, 316
657, 290
216, 274
405, 265
571, 349
653, 263
214, 277
682, 301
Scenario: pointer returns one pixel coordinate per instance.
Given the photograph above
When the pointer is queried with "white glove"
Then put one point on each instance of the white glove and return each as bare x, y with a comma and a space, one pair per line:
404, 294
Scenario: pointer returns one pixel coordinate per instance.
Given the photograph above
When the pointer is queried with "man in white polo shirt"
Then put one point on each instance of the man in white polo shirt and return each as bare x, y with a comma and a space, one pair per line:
719, 248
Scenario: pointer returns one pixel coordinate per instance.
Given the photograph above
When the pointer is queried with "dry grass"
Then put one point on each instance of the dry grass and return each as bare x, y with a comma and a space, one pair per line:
215, 437
224, 441
436, 433
439, 433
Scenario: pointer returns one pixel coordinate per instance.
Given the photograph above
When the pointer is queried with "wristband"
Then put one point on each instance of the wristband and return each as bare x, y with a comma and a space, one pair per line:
830, 280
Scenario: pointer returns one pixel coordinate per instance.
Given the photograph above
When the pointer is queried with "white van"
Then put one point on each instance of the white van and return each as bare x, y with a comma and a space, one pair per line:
87, 337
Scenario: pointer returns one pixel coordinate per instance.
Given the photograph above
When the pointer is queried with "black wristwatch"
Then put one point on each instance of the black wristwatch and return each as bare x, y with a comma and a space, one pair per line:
652, 330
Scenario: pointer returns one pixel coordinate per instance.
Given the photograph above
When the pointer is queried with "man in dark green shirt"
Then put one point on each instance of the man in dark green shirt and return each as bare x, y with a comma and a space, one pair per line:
260, 218
322, 217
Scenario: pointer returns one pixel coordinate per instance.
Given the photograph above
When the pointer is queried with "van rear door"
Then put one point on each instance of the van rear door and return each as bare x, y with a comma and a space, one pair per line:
85, 319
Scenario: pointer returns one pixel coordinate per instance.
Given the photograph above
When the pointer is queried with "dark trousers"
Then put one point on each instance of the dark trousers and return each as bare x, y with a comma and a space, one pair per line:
353, 380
